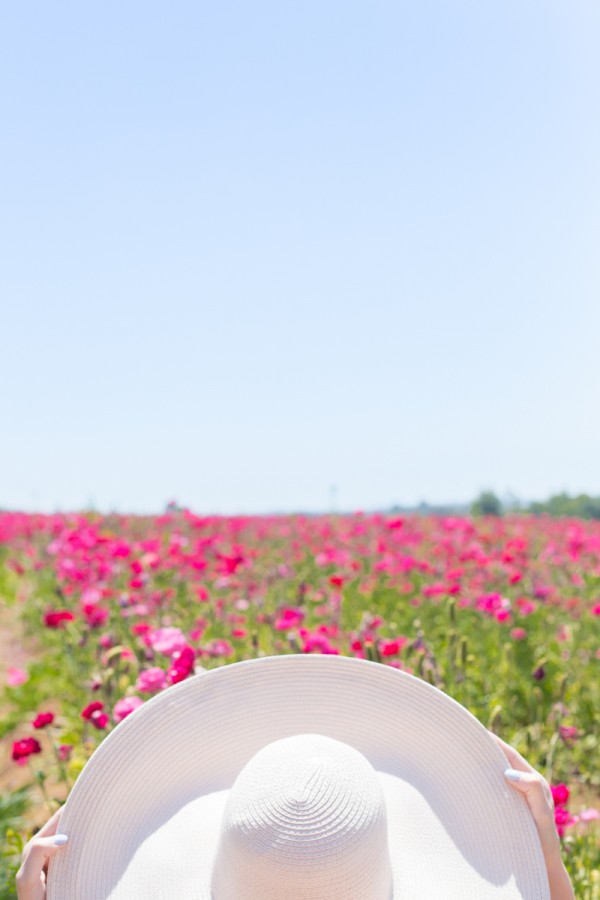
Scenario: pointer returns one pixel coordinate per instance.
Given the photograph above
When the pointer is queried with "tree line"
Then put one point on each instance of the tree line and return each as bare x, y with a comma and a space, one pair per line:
581, 506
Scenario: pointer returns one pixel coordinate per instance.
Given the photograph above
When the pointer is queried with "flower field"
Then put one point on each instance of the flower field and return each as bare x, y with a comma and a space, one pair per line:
502, 614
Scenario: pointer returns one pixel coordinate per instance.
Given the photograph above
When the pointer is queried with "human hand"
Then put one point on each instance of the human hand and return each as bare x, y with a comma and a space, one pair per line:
536, 791
31, 877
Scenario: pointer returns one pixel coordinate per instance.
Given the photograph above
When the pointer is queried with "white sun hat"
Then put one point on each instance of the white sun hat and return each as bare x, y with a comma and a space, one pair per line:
298, 778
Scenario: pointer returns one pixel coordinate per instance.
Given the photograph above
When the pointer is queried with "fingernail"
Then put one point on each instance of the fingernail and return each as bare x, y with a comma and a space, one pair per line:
513, 774
60, 839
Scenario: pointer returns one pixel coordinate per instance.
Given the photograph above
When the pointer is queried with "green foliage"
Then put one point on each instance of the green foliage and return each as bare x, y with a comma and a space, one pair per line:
487, 504
582, 506
12, 807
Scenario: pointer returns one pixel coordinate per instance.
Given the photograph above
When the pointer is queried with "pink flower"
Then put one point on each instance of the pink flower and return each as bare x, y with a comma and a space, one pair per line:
21, 750
15, 676
318, 643
43, 719
167, 640
501, 615
219, 648
125, 707
568, 733
518, 634
596, 610
589, 815
151, 680
64, 752
526, 607
95, 616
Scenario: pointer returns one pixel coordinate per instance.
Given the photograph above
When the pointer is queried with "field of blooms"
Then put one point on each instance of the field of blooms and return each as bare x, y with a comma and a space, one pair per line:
502, 614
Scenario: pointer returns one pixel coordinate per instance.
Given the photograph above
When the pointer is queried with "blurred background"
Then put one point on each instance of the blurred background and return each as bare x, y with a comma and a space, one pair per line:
264, 257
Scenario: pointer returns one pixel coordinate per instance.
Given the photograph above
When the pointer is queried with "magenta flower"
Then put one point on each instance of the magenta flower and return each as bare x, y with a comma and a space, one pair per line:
182, 665
289, 618
22, 750
560, 794
43, 719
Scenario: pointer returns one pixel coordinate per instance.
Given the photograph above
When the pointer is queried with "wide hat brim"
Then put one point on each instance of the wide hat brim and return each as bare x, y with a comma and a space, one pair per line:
143, 818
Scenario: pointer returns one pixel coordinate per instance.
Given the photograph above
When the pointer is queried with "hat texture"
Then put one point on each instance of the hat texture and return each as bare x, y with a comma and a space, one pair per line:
300, 777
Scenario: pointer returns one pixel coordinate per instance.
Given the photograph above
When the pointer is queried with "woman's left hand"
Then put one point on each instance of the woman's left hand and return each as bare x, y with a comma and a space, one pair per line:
31, 877
536, 790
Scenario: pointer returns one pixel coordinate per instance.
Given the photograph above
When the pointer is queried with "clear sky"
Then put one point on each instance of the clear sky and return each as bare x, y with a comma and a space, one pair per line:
249, 251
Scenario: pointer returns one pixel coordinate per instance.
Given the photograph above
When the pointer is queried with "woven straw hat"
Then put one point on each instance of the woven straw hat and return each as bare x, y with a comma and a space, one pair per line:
298, 777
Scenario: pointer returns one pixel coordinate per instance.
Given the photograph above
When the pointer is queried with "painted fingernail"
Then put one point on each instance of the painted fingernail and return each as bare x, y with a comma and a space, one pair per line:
60, 839
512, 774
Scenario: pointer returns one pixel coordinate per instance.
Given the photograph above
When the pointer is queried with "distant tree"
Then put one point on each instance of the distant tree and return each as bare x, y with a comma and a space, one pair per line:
487, 504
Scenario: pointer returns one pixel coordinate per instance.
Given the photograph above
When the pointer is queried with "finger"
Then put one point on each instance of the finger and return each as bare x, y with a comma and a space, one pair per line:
51, 825
35, 856
533, 786
514, 757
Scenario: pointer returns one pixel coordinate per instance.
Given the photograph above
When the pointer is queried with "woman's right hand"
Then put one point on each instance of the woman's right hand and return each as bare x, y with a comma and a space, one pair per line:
31, 877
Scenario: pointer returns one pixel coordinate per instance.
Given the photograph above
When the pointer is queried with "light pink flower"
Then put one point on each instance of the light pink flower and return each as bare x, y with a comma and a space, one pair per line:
167, 640
151, 680
125, 707
16, 676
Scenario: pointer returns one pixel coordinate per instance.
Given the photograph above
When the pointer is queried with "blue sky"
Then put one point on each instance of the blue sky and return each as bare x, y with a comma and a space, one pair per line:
251, 251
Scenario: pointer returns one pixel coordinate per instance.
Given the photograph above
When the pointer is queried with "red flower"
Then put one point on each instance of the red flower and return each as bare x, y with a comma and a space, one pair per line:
392, 647
93, 713
43, 719
55, 618
21, 750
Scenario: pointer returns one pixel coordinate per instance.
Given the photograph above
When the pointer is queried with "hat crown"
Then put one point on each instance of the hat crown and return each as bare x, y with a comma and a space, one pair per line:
306, 813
